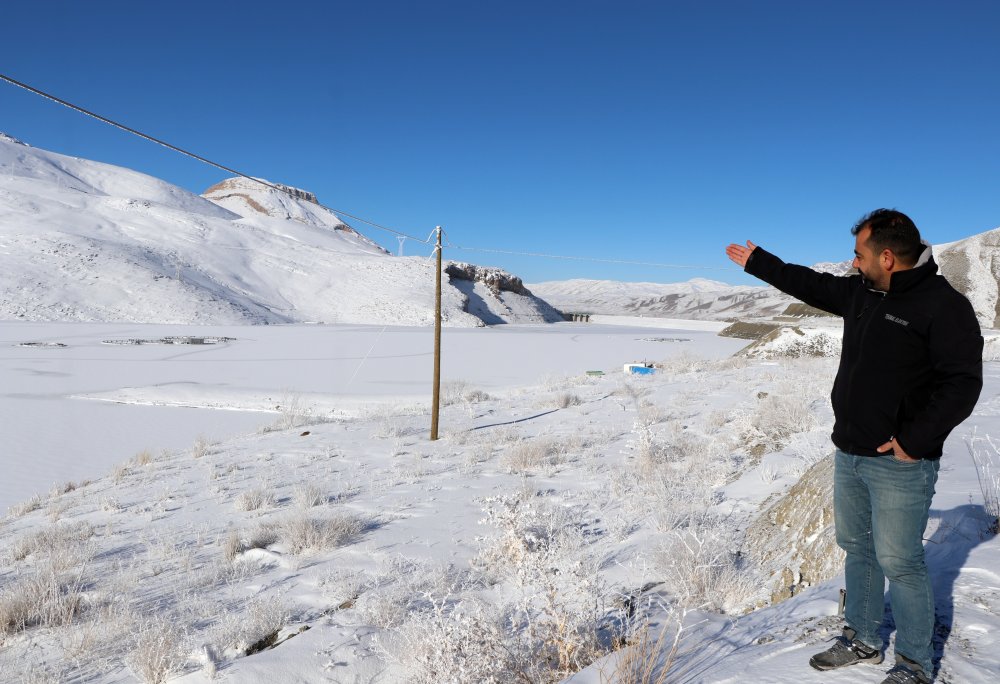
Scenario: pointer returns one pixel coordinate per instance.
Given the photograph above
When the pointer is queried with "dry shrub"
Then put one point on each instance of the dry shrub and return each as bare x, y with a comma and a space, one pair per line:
645, 658
236, 543
464, 643
301, 533
158, 652
49, 596
254, 499
566, 399
240, 631
769, 425
307, 495
459, 392
529, 454
120, 472
703, 570
22, 509
563, 602
202, 447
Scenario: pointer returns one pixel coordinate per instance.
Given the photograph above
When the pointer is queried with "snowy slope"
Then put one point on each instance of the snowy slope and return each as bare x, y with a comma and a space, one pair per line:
972, 265
86, 241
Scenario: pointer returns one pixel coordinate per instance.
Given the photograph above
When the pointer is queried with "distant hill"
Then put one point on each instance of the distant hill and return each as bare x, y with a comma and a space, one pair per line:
698, 298
87, 241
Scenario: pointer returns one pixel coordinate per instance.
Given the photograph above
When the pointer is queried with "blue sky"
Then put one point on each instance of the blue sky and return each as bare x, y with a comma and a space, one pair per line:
649, 131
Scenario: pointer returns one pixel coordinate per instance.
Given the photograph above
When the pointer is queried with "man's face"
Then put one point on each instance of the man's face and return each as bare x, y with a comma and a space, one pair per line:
867, 262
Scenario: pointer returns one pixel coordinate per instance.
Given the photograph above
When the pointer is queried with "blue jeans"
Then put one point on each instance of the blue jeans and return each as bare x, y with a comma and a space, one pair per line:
880, 509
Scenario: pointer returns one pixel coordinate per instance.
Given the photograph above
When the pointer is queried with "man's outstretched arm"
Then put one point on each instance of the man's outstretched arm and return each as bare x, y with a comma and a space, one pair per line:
822, 290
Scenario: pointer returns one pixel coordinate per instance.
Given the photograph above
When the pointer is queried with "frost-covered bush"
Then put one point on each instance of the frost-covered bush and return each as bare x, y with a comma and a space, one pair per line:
986, 455
460, 392
566, 399
401, 588
120, 472
293, 412
61, 544
254, 499
342, 587
238, 631
48, 592
158, 651
775, 418
301, 533
44, 598
562, 601
682, 364
202, 447
22, 509
465, 642
499, 437
529, 454
260, 537
307, 495
702, 568
385, 606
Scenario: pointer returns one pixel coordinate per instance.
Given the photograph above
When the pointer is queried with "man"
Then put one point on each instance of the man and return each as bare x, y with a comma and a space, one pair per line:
910, 371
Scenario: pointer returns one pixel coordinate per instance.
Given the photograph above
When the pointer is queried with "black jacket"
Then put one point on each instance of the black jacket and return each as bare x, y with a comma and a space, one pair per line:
911, 364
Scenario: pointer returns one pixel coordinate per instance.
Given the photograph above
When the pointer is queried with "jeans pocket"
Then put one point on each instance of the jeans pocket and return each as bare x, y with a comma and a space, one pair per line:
896, 459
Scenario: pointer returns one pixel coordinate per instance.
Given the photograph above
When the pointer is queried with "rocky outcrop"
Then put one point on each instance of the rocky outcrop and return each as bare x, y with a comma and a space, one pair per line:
496, 296
496, 279
794, 539
239, 186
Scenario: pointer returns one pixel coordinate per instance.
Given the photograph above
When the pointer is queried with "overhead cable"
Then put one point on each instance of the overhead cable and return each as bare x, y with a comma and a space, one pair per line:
227, 169
584, 258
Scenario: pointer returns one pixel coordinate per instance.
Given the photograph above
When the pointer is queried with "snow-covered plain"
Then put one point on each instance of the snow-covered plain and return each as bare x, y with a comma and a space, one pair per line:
512, 549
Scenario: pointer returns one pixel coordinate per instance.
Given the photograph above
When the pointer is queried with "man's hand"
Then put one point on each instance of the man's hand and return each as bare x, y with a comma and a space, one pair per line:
739, 254
893, 446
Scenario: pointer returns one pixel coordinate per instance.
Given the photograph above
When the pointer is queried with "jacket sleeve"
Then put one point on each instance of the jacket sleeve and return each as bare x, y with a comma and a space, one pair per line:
822, 290
956, 355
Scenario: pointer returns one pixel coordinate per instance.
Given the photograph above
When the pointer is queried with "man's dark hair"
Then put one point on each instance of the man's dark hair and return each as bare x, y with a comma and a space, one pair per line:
892, 230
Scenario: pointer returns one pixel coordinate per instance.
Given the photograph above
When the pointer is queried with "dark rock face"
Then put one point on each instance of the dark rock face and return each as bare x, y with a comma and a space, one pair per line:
494, 278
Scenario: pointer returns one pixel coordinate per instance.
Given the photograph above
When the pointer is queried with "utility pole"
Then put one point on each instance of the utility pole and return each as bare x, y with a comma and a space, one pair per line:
436, 395
401, 241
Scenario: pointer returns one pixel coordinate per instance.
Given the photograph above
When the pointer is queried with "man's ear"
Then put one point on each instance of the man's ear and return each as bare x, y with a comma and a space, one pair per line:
888, 259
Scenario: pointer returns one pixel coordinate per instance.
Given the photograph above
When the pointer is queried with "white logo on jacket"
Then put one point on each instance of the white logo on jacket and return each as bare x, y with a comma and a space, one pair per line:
894, 319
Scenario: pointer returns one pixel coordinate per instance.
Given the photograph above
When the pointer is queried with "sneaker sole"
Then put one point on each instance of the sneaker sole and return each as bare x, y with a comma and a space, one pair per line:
825, 668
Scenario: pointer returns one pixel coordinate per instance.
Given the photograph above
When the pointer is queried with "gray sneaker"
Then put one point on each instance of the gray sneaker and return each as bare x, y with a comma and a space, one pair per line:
845, 651
901, 674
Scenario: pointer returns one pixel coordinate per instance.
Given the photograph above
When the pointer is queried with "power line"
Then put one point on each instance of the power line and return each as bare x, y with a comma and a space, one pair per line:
288, 192
583, 258
227, 169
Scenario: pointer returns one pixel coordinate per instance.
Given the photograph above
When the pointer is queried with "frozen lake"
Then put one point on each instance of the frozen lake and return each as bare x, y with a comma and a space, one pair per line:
176, 393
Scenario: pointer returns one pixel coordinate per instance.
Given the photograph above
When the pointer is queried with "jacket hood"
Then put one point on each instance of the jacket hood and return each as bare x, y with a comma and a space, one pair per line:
924, 268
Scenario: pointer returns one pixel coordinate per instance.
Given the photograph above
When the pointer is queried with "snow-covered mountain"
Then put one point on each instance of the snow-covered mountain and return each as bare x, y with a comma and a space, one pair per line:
697, 298
87, 241
972, 265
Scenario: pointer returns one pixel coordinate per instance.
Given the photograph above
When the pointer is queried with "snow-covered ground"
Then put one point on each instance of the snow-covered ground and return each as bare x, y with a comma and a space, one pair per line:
55, 436
512, 549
